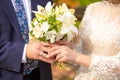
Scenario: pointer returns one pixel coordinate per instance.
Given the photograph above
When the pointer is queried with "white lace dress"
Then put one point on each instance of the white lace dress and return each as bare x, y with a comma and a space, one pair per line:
100, 39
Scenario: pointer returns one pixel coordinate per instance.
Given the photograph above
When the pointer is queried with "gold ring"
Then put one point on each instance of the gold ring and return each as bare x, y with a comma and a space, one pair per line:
42, 54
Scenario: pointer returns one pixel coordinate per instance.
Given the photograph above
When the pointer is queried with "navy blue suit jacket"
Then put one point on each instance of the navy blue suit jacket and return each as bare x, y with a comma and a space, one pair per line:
12, 44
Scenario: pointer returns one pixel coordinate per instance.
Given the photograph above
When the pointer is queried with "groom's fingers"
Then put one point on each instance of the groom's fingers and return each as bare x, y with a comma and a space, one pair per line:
45, 59
46, 49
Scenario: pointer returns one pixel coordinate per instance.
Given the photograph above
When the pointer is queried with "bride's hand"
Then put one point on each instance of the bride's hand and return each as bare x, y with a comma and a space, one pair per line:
62, 53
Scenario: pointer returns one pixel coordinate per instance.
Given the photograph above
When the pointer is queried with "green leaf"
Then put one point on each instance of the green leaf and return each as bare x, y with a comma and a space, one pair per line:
31, 33
42, 39
86, 2
77, 23
54, 24
59, 65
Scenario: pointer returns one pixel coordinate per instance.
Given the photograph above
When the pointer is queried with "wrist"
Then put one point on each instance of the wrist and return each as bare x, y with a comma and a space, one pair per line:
83, 60
76, 58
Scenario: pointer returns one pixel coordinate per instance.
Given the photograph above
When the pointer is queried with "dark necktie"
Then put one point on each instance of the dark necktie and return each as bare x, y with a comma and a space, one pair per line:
22, 19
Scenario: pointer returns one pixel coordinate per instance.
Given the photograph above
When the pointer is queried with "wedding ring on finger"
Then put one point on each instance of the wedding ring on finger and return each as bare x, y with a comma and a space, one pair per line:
42, 54
59, 56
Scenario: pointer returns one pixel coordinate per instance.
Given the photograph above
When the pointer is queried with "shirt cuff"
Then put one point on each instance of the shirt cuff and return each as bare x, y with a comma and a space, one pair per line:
24, 59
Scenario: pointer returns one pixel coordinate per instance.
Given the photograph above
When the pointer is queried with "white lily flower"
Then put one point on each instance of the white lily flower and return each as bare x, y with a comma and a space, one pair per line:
67, 18
64, 8
70, 36
58, 11
68, 21
34, 23
44, 27
37, 31
71, 31
40, 15
39, 12
49, 7
40, 8
51, 36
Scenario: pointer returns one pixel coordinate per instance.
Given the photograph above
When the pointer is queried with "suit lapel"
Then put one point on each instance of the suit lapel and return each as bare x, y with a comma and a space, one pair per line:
9, 9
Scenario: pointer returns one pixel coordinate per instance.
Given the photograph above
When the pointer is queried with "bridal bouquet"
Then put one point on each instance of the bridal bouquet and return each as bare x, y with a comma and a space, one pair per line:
54, 23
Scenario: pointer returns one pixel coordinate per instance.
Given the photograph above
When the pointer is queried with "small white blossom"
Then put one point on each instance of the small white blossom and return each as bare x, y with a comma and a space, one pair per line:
37, 32
44, 27
51, 36
59, 37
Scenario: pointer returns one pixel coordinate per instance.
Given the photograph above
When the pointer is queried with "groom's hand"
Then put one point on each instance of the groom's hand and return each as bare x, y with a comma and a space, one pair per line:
35, 51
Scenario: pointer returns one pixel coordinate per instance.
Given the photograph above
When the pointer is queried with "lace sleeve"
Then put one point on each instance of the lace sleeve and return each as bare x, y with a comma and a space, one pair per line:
87, 15
84, 23
106, 66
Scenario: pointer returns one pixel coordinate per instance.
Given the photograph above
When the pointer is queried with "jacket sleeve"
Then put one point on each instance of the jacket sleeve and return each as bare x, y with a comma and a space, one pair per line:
11, 55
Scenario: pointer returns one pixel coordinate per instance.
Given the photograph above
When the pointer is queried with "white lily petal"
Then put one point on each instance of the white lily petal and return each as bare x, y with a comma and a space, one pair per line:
64, 29
45, 26
30, 27
58, 11
35, 22
37, 31
64, 7
70, 36
67, 18
59, 37
74, 29
52, 39
39, 14
40, 8
51, 36
70, 18
49, 6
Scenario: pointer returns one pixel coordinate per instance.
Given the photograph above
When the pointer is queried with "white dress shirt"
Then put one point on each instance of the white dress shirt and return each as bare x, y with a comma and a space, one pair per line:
27, 5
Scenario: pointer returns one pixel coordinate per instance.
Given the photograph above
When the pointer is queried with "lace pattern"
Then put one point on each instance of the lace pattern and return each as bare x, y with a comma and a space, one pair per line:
101, 40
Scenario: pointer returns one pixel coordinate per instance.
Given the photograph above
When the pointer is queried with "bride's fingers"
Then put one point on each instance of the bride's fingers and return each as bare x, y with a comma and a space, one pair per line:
59, 56
62, 59
53, 49
54, 53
